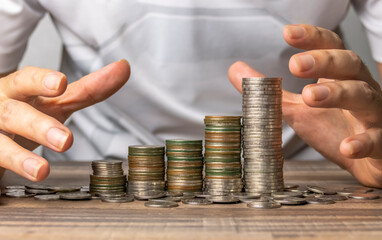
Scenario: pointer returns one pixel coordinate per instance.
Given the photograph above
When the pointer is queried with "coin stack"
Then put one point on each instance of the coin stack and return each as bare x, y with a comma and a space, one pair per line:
184, 165
262, 132
222, 155
108, 178
146, 168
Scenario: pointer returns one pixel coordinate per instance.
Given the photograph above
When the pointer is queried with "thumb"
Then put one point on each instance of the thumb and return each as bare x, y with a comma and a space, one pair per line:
240, 70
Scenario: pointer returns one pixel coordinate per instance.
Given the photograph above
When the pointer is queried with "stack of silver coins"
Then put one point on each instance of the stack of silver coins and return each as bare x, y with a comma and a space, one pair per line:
222, 155
108, 178
262, 135
146, 168
184, 165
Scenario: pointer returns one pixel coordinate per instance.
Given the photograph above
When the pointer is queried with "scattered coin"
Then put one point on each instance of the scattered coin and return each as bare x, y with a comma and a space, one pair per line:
161, 204
291, 201
286, 194
264, 204
19, 194
49, 197
363, 196
124, 199
223, 199
15, 187
319, 201
37, 186
335, 198
149, 195
75, 196
197, 201
39, 191
321, 190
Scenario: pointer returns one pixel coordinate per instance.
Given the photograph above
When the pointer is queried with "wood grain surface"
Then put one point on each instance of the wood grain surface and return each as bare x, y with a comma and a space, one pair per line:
32, 219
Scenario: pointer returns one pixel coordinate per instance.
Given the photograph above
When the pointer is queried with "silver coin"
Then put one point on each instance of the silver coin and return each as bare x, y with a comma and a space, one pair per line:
75, 196
291, 201
161, 204
223, 199
197, 201
171, 199
319, 201
321, 190
286, 194
39, 191
124, 199
49, 197
15, 187
37, 186
149, 195
335, 198
19, 194
13, 190
264, 204
363, 196
174, 194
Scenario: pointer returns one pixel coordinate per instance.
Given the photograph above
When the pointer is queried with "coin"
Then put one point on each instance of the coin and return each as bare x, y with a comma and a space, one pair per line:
197, 201
363, 196
75, 196
149, 195
335, 198
161, 204
223, 199
49, 197
291, 201
264, 204
286, 194
124, 199
321, 190
319, 201
15, 187
39, 191
19, 194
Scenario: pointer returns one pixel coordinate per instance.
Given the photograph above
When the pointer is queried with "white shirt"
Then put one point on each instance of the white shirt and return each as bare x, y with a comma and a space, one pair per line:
179, 51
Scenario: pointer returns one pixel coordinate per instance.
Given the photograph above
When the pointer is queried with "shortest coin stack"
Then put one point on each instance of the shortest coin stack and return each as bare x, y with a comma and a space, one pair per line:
108, 178
184, 165
146, 168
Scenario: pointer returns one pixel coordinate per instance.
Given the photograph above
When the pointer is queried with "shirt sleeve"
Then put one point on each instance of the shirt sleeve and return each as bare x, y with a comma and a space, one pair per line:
370, 13
18, 19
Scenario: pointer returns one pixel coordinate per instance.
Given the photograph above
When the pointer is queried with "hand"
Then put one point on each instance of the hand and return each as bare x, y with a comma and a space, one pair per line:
35, 102
341, 115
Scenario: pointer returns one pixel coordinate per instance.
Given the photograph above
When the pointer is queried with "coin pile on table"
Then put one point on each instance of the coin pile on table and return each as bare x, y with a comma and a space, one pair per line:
222, 155
262, 135
108, 178
184, 165
146, 168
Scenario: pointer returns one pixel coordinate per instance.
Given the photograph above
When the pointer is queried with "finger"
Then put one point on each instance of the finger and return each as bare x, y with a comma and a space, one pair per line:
92, 88
367, 144
31, 81
240, 70
334, 64
21, 161
22, 119
356, 96
310, 37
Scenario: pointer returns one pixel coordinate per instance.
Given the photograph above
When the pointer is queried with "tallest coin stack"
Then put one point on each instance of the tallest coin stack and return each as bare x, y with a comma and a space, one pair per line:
262, 135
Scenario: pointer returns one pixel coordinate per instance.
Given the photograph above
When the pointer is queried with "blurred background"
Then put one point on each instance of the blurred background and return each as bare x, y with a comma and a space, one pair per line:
44, 49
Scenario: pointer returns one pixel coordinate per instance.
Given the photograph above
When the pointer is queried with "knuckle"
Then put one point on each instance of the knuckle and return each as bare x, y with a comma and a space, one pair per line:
357, 61
7, 108
368, 91
330, 57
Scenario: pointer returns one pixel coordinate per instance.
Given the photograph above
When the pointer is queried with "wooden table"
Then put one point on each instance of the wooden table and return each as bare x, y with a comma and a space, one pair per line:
32, 219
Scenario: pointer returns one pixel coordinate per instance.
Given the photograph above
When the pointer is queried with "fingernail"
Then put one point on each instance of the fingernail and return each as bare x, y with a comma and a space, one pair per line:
295, 32
32, 166
319, 93
354, 146
57, 137
304, 62
52, 80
